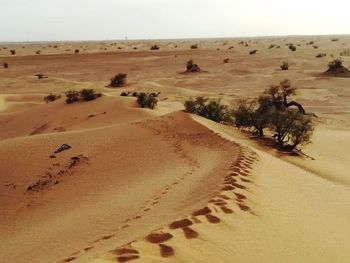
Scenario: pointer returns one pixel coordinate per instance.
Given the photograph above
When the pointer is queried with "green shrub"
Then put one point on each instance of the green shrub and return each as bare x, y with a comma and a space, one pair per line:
89, 94
210, 109
119, 80
146, 100
72, 96
51, 97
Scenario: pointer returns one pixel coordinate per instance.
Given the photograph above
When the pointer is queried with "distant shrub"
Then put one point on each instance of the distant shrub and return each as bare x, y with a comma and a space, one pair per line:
89, 94
13, 52
321, 55
119, 80
155, 47
124, 94
272, 46
292, 47
315, 47
194, 46
38, 52
51, 97
284, 66
226, 60
76, 51
6, 65
335, 39
146, 100
41, 76
345, 53
253, 52
191, 67
72, 96
210, 109
335, 64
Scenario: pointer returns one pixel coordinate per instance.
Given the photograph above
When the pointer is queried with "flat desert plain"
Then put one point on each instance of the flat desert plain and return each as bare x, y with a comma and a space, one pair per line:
162, 185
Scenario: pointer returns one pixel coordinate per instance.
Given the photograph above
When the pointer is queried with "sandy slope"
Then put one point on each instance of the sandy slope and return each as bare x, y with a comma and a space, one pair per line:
132, 175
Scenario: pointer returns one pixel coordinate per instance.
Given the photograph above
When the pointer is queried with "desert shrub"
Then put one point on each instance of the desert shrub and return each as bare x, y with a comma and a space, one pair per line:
231, 47
315, 46
72, 96
253, 52
292, 47
6, 65
13, 52
335, 64
345, 53
118, 80
194, 46
321, 55
155, 47
291, 128
124, 94
146, 100
76, 51
191, 67
272, 46
38, 52
89, 94
335, 39
210, 109
284, 66
51, 97
226, 60
41, 76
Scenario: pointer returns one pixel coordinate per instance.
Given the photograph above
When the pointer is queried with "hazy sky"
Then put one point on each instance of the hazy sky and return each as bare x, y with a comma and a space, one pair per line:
32, 20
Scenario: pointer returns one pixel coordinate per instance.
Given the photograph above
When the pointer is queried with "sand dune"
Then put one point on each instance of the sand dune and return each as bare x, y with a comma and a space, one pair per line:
139, 185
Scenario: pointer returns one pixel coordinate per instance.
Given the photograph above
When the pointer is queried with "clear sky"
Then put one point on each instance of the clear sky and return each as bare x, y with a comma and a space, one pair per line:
38, 20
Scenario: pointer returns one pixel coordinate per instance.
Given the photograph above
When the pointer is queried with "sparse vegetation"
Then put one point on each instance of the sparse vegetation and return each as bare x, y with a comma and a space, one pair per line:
194, 46
51, 97
76, 51
226, 60
89, 94
41, 76
272, 110
13, 52
146, 100
284, 66
253, 52
345, 53
6, 65
84, 94
191, 67
155, 47
72, 96
321, 55
292, 47
118, 80
210, 109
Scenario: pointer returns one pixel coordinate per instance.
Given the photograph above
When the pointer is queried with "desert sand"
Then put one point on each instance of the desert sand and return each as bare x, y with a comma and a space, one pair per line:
163, 185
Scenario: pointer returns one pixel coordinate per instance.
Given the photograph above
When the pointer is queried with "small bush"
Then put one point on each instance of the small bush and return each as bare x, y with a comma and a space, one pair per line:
155, 47
51, 97
38, 52
124, 94
6, 65
89, 94
226, 60
41, 76
335, 64
191, 67
292, 47
272, 46
345, 53
146, 100
76, 51
72, 96
253, 52
321, 55
13, 52
119, 80
284, 66
194, 46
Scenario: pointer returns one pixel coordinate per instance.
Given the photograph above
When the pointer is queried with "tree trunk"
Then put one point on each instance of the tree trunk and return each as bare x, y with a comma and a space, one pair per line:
298, 105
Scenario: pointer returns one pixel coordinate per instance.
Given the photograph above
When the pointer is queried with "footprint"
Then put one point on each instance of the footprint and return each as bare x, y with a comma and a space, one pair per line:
124, 250
107, 237
243, 207
190, 233
127, 258
70, 259
226, 210
88, 248
212, 219
166, 251
158, 238
180, 223
202, 212
240, 196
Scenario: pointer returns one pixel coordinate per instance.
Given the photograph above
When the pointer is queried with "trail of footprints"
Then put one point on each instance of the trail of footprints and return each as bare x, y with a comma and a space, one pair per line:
234, 185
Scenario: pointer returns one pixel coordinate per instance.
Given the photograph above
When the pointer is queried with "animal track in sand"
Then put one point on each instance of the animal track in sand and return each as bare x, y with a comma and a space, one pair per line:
127, 258
226, 210
190, 233
70, 259
88, 248
166, 251
202, 212
158, 238
180, 223
212, 219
